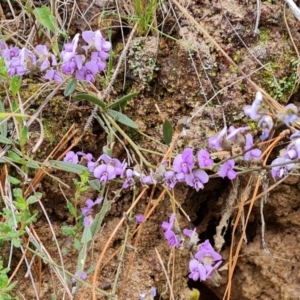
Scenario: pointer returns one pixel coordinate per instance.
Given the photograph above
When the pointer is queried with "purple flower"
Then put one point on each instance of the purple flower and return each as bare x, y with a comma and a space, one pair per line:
252, 111
104, 173
282, 168
192, 234
149, 179
87, 156
88, 211
168, 225
89, 204
173, 239
46, 59
71, 157
139, 218
216, 141
97, 59
183, 164
266, 125
10, 53
196, 179
234, 132
96, 41
170, 179
293, 149
79, 274
289, 114
87, 72
226, 169
119, 167
75, 62
15, 67
295, 135
130, 178
253, 153
204, 159
207, 254
27, 57
170, 235
150, 295
210, 269
197, 270
52, 74
70, 49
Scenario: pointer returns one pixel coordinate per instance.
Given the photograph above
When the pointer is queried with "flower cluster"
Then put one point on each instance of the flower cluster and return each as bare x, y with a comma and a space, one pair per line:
169, 229
266, 122
206, 260
88, 211
84, 62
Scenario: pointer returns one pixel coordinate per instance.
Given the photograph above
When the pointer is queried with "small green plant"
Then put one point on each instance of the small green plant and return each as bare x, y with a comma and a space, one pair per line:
5, 286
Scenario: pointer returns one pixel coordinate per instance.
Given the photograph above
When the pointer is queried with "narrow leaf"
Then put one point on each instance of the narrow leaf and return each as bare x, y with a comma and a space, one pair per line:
70, 88
5, 140
167, 131
120, 103
45, 17
66, 166
71, 208
95, 184
23, 136
15, 84
3, 122
90, 98
121, 118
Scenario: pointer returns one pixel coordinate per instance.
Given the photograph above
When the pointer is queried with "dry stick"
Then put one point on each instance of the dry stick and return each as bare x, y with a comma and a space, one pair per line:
273, 103
232, 263
166, 274
110, 240
242, 204
238, 216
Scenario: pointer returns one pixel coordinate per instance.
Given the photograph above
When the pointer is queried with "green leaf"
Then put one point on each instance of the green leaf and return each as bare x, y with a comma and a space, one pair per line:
23, 136
167, 131
70, 88
34, 198
121, 118
77, 244
16, 242
3, 67
3, 280
3, 123
90, 98
5, 140
120, 103
95, 184
68, 230
15, 84
68, 167
87, 235
14, 156
71, 208
13, 180
44, 16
